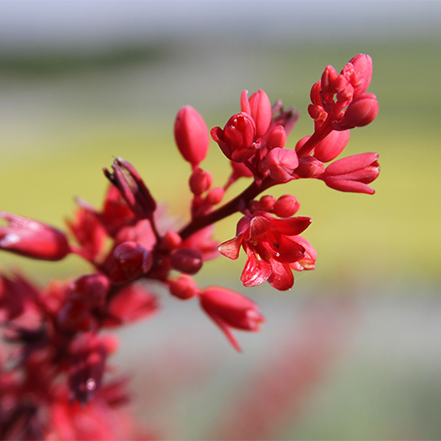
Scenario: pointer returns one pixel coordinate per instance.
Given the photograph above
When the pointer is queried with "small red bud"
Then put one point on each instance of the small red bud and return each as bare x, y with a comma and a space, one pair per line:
286, 206
215, 196
309, 167
183, 288
200, 181
267, 203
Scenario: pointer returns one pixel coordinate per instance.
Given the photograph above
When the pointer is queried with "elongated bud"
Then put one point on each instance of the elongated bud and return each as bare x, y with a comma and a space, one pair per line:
191, 135
187, 260
362, 111
276, 138
331, 145
259, 107
215, 196
33, 239
353, 173
362, 65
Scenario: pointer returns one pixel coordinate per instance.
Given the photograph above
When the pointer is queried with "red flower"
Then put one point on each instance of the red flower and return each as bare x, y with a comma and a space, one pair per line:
269, 248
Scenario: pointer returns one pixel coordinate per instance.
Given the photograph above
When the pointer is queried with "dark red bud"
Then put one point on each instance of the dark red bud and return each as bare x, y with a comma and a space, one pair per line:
183, 288
187, 260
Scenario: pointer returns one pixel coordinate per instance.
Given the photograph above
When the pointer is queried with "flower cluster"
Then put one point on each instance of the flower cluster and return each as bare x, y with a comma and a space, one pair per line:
59, 354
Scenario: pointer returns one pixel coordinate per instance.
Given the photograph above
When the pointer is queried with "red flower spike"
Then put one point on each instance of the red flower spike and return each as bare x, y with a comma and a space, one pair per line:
236, 140
183, 288
286, 206
33, 239
331, 145
229, 309
269, 248
259, 107
187, 260
353, 173
132, 260
362, 111
279, 164
200, 181
191, 135
132, 188
87, 367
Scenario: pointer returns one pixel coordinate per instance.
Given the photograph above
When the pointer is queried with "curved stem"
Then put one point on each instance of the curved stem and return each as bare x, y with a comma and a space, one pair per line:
236, 204
316, 137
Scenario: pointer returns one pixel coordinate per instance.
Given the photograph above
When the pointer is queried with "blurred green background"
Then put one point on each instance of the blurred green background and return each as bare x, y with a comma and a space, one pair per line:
83, 82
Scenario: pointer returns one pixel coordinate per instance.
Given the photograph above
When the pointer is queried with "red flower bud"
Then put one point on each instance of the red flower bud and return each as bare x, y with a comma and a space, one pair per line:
331, 145
183, 288
200, 181
276, 138
32, 239
286, 206
229, 309
353, 173
266, 203
215, 196
259, 107
309, 167
236, 140
92, 288
191, 135
132, 260
362, 67
187, 260
280, 164
362, 111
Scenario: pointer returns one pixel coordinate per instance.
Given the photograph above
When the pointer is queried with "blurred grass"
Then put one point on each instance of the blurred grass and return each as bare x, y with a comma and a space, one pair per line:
64, 125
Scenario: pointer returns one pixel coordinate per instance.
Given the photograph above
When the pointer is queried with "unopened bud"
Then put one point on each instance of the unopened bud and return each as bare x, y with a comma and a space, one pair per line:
200, 181
286, 206
280, 164
362, 111
331, 145
259, 107
183, 288
191, 135
187, 260
309, 167
215, 196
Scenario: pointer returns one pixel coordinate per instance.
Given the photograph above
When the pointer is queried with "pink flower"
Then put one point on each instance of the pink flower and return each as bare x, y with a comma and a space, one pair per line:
228, 309
269, 248
191, 135
32, 239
